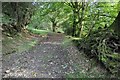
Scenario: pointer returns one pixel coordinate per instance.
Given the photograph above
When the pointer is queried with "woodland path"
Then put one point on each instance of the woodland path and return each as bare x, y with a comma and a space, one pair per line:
50, 58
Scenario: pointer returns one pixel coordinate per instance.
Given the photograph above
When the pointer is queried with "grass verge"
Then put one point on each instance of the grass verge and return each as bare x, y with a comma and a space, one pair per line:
18, 43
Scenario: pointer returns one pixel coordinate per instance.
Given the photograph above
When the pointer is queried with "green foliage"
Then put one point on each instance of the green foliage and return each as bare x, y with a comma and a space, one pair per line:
48, 15
104, 45
99, 15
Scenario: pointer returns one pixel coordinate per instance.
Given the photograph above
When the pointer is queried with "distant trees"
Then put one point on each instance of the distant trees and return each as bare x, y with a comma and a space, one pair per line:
51, 12
58, 12
75, 18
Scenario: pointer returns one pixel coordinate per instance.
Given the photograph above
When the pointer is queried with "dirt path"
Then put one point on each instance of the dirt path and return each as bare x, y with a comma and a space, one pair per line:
50, 59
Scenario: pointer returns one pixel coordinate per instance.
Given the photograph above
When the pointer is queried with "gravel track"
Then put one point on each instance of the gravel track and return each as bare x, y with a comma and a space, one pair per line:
48, 59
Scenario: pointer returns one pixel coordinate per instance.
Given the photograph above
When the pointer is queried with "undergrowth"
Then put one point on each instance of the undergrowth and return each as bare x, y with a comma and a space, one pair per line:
105, 46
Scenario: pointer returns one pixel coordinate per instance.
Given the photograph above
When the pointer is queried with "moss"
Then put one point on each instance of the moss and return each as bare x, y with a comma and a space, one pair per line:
104, 45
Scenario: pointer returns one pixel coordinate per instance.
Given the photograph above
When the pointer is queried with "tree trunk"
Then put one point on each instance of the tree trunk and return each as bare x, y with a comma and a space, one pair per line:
74, 27
15, 7
81, 20
53, 26
19, 26
116, 25
74, 23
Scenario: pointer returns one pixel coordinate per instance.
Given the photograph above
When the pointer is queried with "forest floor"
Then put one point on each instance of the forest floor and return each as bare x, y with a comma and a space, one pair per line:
54, 56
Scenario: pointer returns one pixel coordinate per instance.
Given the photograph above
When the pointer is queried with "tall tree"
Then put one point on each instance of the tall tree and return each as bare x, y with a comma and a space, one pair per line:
17, 14
78, 9
116, 25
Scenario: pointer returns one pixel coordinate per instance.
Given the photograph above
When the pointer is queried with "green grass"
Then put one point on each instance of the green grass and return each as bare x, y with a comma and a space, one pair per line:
77, 75
40, 32
68, 41
27, 45
17, 44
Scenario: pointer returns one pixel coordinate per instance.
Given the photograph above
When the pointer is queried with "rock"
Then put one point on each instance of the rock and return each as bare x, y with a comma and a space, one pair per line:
51, 63
49, 60
7, 71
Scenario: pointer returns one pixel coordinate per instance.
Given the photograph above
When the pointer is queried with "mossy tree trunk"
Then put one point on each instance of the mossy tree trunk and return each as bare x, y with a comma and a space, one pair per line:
116, 25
